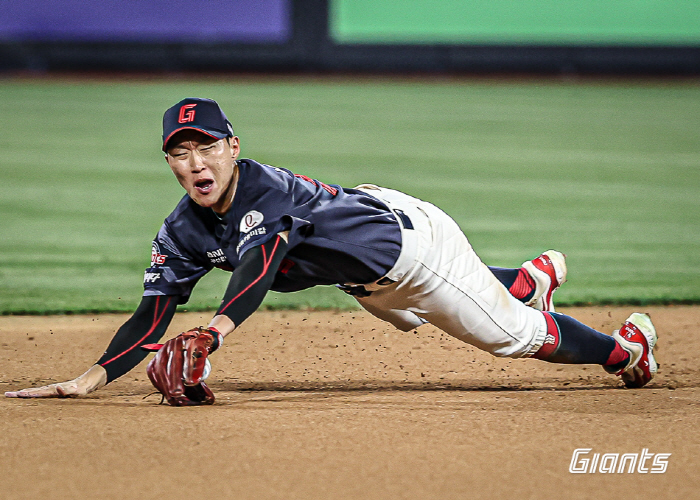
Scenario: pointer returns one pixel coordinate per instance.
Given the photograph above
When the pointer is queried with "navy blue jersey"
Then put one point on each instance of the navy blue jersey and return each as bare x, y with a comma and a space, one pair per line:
336, 235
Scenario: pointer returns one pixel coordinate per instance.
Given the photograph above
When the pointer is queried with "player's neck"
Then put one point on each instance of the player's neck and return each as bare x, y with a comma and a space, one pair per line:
226, 201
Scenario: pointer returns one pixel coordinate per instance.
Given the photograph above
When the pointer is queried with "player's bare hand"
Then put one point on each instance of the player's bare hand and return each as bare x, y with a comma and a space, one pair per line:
88, 382
62, 390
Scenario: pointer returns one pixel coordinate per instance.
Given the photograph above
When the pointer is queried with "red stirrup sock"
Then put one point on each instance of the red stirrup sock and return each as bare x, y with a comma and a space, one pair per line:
518, 282
523, 287
569, 341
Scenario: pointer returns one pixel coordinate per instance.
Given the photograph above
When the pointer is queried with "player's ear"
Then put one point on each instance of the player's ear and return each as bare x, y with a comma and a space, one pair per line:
167, 158
235, 146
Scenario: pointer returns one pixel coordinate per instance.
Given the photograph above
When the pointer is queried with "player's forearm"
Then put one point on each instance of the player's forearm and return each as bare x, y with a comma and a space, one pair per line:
147, 325
249, 284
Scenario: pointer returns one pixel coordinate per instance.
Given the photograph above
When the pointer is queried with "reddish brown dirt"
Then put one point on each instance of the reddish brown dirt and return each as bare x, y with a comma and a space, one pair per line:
315, 405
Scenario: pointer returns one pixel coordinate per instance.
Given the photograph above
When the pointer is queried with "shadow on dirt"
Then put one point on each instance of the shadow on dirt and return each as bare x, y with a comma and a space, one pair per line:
389, 386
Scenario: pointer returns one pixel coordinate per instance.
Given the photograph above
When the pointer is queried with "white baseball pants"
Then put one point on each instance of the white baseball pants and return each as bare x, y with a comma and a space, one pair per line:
440, 280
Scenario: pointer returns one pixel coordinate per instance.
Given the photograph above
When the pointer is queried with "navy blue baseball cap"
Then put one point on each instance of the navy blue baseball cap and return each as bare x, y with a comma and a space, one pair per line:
196, 113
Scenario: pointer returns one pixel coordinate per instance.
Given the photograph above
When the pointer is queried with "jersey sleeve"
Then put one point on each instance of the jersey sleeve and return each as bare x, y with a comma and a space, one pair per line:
172, 271
257, 229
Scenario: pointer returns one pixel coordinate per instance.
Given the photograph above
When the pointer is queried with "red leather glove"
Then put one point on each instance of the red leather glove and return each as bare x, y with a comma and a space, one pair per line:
177, 370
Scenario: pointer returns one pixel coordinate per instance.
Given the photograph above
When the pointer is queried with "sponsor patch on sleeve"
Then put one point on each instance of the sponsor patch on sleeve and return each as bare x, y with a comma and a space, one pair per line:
250, 220
150, 277
158, 275
157, 258
256, 232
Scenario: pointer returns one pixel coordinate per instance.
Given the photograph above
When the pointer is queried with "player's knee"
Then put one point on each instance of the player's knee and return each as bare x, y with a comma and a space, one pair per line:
405, 322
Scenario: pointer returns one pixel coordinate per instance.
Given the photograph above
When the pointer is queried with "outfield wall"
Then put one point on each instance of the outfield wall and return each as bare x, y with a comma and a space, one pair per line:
453, 36
521, 22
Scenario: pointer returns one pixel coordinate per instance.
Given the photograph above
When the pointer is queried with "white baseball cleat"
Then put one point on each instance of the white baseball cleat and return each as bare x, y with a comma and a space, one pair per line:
549, 272
638, 337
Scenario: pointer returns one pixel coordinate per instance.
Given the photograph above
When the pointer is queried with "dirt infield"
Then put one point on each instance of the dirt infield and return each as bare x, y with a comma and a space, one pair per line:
318, 405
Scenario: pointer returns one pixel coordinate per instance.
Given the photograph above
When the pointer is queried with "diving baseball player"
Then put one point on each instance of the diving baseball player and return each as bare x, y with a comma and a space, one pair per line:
404, 260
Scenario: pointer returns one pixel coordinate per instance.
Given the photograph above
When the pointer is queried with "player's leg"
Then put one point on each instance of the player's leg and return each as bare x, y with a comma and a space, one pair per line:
452, 289
536, 281
470, 304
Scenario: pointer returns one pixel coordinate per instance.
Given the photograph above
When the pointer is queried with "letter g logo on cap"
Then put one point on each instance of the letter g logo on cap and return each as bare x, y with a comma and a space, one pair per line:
187, 113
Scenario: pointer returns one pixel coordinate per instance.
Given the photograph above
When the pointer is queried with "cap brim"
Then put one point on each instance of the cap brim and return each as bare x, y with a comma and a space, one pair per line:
211, 133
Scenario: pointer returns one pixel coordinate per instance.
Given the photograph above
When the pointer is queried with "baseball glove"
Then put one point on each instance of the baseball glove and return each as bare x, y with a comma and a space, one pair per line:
177, 370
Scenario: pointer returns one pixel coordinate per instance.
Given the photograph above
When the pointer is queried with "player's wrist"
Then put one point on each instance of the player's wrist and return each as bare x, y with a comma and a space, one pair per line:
91, 380
218, 339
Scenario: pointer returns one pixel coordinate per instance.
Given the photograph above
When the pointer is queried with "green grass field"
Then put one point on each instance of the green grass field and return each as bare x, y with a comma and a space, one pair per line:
607, 173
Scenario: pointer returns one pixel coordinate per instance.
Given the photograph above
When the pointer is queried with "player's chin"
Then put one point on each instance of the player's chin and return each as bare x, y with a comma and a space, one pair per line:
206, 200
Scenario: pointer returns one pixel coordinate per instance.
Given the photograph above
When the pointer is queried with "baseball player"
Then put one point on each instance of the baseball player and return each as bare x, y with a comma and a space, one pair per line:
403, 259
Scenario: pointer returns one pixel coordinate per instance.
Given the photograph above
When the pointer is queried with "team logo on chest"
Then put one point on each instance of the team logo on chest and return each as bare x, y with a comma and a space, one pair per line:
251, 220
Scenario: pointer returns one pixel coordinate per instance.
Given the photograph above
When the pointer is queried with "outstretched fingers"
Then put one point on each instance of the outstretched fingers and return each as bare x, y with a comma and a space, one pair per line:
62, 390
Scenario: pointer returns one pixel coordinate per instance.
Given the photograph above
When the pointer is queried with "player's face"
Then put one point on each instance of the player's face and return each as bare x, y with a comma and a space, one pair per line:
204, 167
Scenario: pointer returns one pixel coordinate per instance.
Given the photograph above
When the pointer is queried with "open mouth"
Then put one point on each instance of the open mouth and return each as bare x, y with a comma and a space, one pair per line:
204, 186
